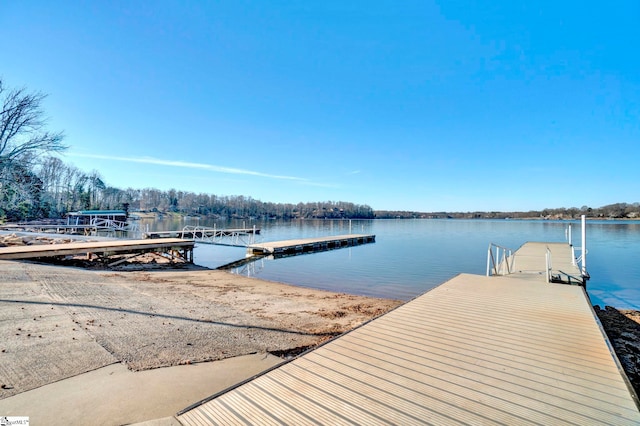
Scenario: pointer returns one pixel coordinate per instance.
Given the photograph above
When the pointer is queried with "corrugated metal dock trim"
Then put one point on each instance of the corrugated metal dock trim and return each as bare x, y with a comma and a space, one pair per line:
475, 350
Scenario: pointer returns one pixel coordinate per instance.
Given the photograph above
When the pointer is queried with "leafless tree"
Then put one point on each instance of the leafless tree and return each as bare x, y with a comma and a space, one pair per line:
22, 127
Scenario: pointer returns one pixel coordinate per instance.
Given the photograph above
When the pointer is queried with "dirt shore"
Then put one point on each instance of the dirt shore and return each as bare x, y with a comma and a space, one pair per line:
58, 322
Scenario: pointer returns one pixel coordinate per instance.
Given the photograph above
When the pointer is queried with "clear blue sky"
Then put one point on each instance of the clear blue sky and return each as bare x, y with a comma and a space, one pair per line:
409, 105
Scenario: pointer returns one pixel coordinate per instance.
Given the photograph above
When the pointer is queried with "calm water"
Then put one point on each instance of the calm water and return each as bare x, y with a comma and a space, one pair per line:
410, 257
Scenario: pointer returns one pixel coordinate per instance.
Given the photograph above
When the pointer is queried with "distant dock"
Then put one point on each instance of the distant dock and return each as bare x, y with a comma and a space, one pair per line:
308, 245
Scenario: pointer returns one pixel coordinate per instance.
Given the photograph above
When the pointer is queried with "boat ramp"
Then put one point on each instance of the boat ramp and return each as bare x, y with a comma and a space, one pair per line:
518, 346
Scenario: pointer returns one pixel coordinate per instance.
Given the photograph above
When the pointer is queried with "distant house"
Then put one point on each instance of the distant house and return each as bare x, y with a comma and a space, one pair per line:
90, 217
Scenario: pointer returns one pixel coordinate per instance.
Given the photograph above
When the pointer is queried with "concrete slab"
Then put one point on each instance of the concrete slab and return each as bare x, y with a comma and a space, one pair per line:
114, 395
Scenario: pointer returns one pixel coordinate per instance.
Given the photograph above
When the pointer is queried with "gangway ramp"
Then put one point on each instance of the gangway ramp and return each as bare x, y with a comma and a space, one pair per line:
475, 350
542, 261
240, 237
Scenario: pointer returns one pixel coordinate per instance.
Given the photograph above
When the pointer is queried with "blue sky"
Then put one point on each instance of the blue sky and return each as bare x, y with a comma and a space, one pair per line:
408, 105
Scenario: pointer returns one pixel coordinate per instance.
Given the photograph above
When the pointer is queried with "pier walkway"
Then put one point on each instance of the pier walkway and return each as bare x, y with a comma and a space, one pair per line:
173, 247
550, 262
201, 233
238, 237
511, 349
290, 247
557, 258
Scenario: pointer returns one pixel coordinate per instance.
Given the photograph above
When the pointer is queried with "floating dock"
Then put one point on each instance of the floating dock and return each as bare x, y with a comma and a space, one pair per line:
308, 245
103, 250
512, 349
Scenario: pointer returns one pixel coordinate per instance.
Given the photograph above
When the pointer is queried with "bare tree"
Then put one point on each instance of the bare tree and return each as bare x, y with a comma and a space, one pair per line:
22, 126
52, 171
95, 188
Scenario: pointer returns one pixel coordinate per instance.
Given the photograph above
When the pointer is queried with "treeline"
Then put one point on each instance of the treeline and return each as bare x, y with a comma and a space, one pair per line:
240, 207
52, 188
610, 211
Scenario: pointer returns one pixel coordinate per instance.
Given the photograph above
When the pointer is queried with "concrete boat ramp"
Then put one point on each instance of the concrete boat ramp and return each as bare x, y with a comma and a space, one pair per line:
512, 349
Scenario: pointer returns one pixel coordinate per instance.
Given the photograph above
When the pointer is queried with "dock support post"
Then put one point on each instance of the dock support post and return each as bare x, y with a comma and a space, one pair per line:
488, 260
584, 246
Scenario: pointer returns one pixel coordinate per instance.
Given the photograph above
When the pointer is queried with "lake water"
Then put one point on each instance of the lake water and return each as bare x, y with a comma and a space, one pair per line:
410, 257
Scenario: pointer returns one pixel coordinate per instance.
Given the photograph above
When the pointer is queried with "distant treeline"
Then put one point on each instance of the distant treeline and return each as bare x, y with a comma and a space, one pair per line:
50, 188
242, 207
610, 211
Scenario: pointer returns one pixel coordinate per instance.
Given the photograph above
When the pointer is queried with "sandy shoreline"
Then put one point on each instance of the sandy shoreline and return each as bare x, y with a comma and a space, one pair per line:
61, 321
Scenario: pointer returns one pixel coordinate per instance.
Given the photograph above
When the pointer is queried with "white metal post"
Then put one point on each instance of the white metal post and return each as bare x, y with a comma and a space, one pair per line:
584, 245
570, 238
488, 259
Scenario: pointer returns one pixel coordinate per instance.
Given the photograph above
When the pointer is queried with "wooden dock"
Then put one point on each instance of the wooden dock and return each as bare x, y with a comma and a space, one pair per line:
504, 350
103, 250
308, 245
